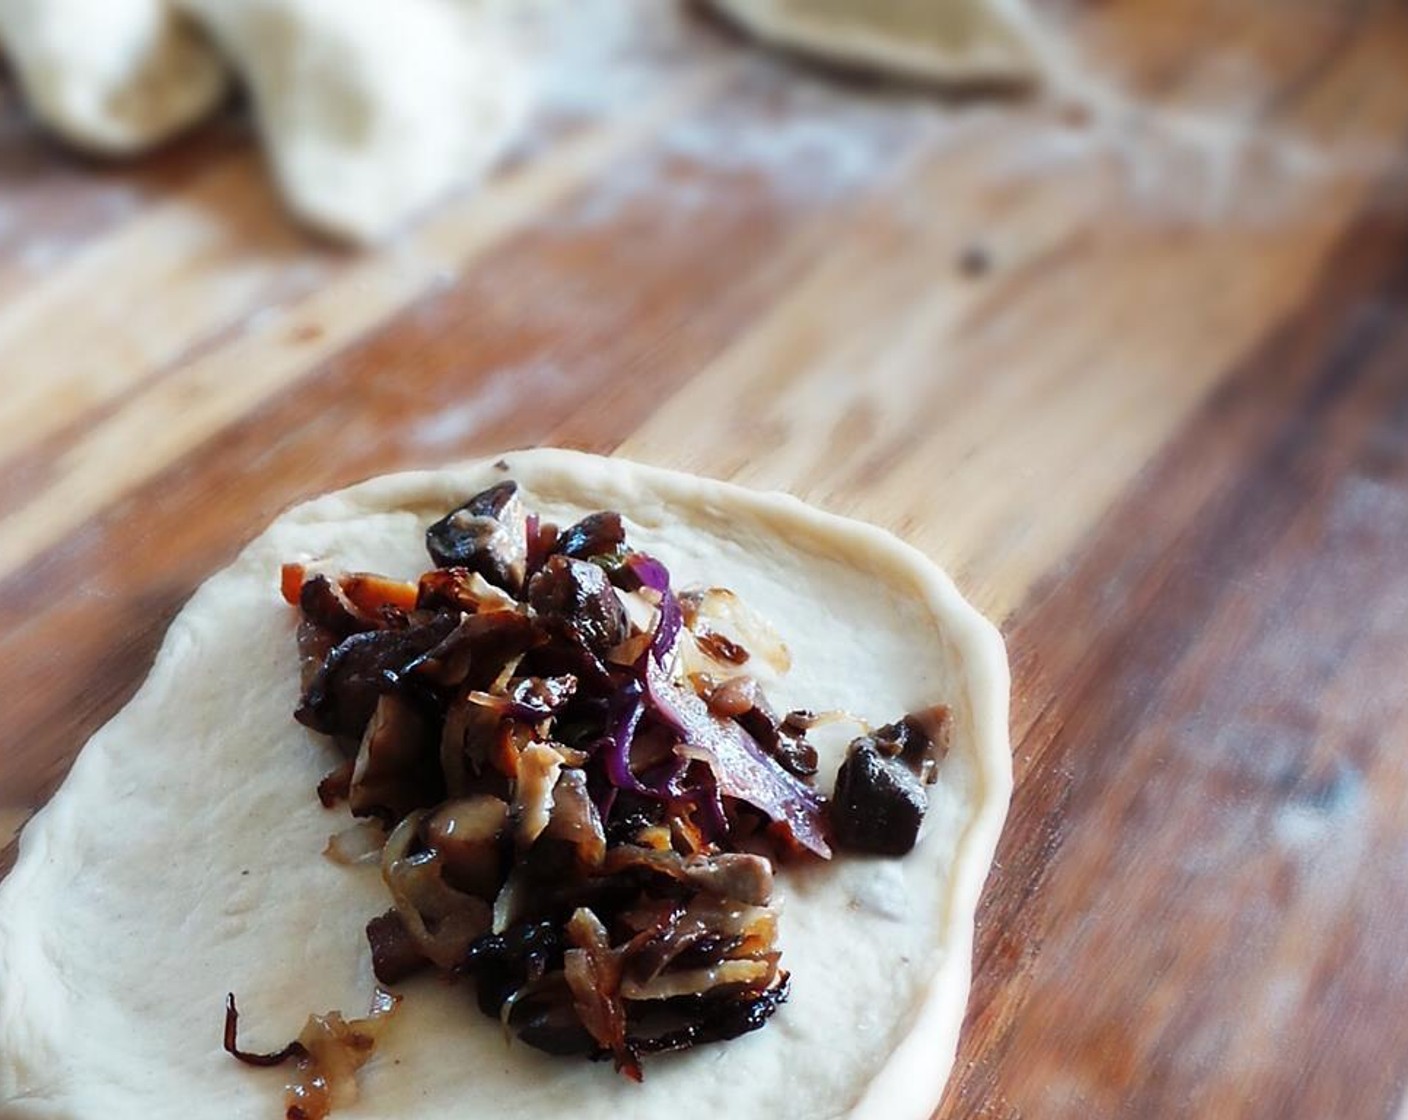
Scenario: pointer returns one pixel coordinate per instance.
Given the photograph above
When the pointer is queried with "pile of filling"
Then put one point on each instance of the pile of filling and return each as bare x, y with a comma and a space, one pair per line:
575, 788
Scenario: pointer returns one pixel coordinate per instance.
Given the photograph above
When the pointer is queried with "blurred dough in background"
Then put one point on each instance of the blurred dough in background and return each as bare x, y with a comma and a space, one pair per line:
369, 109
113, 77
949, 42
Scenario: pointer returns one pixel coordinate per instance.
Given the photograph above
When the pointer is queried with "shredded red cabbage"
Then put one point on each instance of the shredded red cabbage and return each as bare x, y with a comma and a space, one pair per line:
654, 575
623, 717
740, 767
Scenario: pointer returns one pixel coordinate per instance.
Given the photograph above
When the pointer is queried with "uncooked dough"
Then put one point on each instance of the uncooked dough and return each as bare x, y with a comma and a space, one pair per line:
114, 77
180, 859
369, 110
953, 42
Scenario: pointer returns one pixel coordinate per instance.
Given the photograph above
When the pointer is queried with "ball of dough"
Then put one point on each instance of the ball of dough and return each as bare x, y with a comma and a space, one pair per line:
113, 77
369, 110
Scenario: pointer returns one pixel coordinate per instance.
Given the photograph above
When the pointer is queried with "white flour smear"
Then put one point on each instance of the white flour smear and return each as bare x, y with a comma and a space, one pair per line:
1219, 158
594, 57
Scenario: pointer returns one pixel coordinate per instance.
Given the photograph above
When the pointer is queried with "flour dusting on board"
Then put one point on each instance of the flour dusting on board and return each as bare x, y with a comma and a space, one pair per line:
593, 57
794, 140
456, 424
1211, 155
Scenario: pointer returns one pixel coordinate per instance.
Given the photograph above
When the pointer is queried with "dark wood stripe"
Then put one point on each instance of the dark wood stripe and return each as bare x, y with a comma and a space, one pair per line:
1181, 697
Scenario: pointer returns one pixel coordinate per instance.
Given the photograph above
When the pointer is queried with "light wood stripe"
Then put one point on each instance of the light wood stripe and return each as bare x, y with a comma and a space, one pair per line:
11, 821
1012, 450
142, 296
159, 424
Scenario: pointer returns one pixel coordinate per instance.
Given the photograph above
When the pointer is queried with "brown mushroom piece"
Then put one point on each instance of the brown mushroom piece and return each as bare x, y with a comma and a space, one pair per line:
475, 652
397, 768
576, 596
488, 535
598, 534
395, 955
324, 603
879, 803
575, 821
794, 753
343, 692
466, 740
919, 740
463, 590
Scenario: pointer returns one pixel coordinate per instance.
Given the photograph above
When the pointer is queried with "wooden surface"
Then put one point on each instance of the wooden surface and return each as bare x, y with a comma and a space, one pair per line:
1139, 378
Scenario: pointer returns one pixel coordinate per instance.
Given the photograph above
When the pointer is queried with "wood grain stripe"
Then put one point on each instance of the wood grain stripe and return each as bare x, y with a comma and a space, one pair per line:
142, 296
169, 418
1176, 687
56, 204
988, 422
11, 820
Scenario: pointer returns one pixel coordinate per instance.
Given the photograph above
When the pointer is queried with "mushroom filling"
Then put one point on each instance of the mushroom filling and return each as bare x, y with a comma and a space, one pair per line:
577, 790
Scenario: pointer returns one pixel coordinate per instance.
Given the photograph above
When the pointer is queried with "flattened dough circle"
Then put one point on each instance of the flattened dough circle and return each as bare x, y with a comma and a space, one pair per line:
180, 859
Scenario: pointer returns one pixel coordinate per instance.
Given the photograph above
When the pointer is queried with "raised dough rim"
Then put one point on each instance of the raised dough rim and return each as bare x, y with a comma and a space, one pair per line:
933, 1034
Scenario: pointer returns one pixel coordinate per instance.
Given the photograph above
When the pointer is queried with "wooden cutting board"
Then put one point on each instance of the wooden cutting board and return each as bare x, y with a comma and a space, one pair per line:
1138, 378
